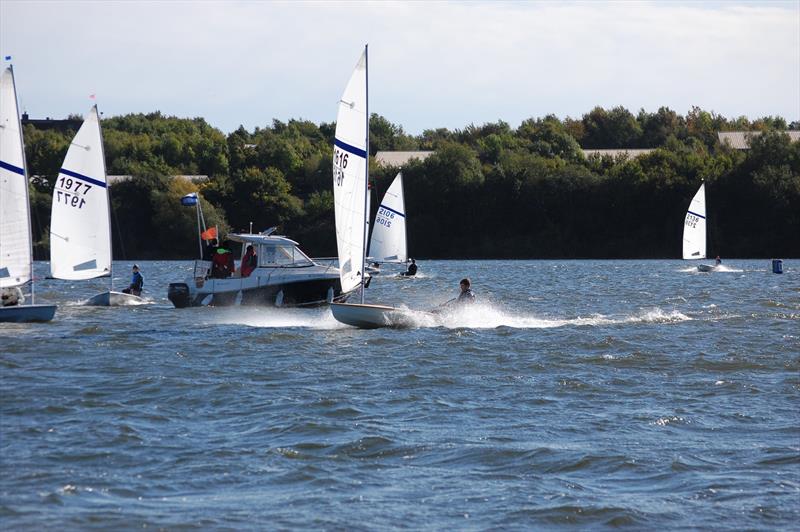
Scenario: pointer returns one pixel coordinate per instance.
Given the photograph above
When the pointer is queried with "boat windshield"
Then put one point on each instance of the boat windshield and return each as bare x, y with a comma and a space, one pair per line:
272, 255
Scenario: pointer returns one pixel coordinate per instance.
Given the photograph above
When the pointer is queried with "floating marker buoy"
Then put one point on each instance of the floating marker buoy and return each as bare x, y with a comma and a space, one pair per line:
777, 266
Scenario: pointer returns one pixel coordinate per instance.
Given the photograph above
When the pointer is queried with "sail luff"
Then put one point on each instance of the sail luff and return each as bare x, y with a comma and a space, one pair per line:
366, 174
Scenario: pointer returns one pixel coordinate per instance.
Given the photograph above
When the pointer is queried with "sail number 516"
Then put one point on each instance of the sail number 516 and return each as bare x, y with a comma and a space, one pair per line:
339, 164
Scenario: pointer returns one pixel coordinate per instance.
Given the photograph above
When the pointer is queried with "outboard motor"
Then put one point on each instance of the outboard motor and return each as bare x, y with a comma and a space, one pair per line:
178, 293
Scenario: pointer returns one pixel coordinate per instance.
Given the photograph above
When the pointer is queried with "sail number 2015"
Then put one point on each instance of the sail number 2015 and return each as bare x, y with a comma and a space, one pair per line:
339, 164
70, 191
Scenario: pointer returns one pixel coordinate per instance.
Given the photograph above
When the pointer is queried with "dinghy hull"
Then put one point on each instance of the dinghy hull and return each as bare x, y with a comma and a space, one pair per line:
706, 268
363, 316
27, 313
114, 299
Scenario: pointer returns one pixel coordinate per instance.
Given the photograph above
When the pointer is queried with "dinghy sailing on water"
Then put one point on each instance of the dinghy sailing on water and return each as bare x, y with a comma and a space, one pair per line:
694, 230
388, 243
350, 193
16, 250
80, 224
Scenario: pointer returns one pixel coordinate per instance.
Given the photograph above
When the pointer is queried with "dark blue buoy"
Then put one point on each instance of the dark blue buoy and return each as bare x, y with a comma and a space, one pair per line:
777, 266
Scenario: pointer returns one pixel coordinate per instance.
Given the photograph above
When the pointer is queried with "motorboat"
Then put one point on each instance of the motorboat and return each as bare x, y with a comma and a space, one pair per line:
284, 277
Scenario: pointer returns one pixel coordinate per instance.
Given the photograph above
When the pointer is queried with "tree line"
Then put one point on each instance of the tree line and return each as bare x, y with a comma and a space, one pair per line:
488, 191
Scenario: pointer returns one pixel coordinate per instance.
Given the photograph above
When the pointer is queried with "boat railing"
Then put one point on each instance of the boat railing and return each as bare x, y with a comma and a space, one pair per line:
328, 262
202, 269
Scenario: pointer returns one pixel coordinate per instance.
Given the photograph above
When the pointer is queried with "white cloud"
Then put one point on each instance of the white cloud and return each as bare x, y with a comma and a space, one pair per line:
431, 64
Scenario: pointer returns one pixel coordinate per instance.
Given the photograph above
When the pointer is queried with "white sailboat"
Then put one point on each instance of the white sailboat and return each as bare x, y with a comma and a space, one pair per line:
388, 241
694, 230
350, 192
16, 252
80, 226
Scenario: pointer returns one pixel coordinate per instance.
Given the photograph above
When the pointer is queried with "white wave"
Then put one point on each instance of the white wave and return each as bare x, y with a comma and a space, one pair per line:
487, 316
277, 318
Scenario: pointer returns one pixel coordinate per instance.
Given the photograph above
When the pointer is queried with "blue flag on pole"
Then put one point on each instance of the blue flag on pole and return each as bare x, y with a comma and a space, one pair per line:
8, 58
189, 200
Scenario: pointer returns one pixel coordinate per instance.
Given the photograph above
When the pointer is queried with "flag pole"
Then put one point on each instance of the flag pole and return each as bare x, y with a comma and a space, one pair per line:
199, 236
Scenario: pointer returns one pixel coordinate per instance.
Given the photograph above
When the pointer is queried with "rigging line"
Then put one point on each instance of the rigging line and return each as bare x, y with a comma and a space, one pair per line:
116, 220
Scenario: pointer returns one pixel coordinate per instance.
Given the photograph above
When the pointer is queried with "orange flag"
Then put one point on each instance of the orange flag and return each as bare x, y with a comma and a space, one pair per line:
209, 233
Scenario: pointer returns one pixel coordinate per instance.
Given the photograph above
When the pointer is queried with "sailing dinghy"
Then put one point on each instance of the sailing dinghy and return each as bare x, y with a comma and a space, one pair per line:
388, 241
16, 251
80, 225
350, 193
694, 230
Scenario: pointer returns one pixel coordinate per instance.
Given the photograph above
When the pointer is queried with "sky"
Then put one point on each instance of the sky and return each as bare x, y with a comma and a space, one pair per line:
431, 64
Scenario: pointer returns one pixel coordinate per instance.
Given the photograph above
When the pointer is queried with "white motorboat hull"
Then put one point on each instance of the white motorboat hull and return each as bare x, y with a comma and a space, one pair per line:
113, 299
27, 313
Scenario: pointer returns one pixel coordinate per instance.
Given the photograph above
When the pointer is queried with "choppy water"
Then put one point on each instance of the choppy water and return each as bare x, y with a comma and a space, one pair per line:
590, 393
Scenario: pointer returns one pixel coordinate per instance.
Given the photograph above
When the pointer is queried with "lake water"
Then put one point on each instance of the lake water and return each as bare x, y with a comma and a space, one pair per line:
592, 393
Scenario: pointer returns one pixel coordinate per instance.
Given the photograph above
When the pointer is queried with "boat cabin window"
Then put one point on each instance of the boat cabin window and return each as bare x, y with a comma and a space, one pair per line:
271, 255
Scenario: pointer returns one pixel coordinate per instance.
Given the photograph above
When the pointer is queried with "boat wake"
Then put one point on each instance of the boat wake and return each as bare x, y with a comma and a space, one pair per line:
487, 316
479, 316
278, 318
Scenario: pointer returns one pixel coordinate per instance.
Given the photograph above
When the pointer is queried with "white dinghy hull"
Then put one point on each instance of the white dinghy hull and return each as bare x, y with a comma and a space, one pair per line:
27, 313
113, 299
366, 316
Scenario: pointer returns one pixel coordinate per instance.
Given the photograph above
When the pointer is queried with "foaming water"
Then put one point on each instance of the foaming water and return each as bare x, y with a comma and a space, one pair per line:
581, 394
488, 316
274, 318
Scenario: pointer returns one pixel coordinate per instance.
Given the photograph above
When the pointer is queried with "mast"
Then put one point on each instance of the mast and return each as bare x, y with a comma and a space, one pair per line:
366, 181
108, 199
27, 192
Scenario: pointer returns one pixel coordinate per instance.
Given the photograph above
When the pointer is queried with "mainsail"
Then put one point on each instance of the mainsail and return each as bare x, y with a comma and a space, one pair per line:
694, 227
15, 230
388, 241
350, 177
80, 226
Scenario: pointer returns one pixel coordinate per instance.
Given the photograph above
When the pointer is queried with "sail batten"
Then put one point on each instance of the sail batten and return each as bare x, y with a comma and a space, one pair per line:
694, 227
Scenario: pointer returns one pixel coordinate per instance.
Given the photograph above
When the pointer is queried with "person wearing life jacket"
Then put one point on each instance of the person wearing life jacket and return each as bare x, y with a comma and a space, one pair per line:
249, 261
222, 264
412, 269
137, 283
466, 296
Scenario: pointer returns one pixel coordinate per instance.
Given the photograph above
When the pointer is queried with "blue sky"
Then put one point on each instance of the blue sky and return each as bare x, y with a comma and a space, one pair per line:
433, 64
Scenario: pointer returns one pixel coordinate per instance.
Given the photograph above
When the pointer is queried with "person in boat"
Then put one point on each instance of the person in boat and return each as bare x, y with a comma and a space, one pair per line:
222, 265
11, 296
210, 250
467, 295
412, 269
718, 260
249, 261
137, 283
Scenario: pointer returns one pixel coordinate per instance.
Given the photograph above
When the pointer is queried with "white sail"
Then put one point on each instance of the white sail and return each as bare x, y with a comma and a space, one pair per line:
350, 177
388, 241
694, 227
80, 228
15, 230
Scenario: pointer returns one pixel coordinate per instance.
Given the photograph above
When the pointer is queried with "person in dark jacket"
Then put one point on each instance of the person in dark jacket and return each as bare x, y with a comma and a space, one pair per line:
412, 269
249, 261
137, 283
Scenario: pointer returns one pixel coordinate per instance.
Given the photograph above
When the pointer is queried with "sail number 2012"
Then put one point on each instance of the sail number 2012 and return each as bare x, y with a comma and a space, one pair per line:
71, 192
339, 164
